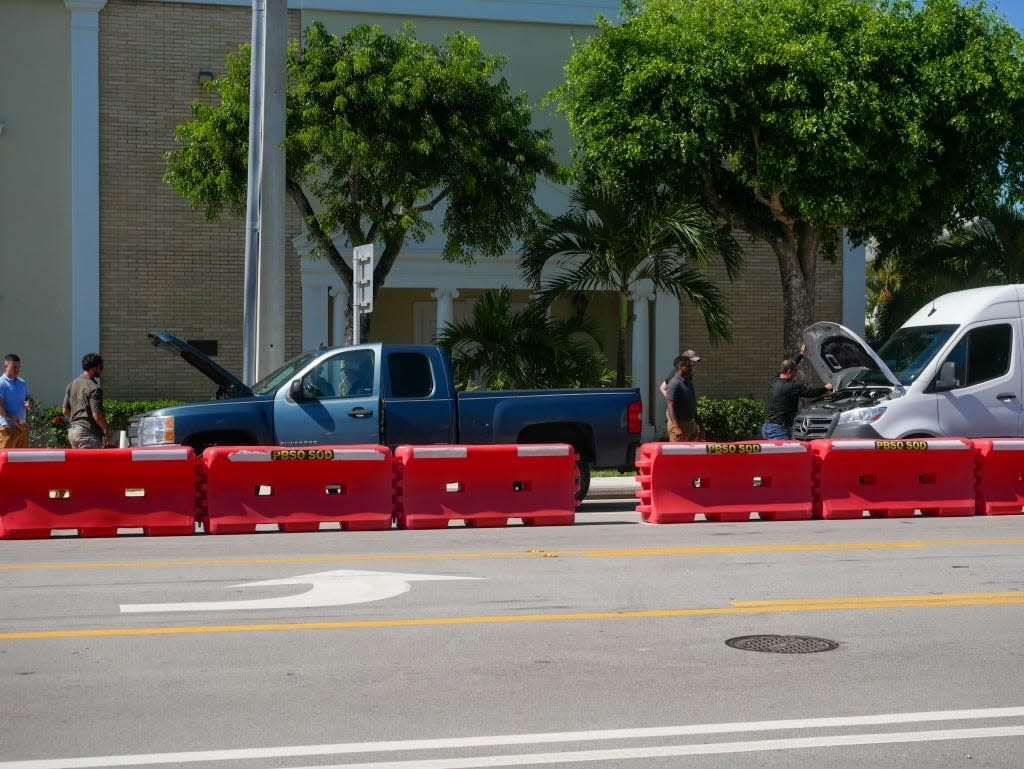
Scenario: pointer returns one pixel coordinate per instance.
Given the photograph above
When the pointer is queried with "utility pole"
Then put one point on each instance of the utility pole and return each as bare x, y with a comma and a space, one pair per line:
263, 301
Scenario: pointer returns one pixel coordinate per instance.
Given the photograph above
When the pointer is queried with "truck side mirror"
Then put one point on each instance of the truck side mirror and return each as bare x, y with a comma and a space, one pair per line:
946, 380
296, 391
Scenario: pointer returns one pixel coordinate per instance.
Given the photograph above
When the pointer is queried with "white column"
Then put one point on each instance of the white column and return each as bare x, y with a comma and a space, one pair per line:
314, 313
641, 297
445, 306
854, 285
85, 178
666, 348
340, 296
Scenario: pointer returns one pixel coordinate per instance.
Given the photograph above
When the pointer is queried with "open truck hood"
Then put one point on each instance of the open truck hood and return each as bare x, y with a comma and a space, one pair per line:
836, 353
228, 385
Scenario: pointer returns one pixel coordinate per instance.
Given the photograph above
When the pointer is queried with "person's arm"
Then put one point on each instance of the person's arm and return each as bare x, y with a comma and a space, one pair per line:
672, 415
664, 389
814, 392
96, 406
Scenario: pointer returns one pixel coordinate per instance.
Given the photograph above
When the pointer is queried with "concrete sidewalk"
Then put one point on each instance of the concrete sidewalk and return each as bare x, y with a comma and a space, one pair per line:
614, 487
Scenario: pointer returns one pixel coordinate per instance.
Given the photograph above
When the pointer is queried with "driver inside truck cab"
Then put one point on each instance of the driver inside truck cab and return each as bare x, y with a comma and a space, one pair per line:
357, 374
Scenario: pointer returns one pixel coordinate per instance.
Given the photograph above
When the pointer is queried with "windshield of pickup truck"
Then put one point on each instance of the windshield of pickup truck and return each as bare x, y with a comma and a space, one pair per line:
909, 350
275, 379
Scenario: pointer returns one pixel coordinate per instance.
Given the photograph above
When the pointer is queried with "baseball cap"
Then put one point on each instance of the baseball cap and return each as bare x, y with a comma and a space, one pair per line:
690, 355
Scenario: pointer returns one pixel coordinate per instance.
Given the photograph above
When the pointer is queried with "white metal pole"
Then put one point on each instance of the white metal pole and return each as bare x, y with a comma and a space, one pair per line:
270, 317
252, 202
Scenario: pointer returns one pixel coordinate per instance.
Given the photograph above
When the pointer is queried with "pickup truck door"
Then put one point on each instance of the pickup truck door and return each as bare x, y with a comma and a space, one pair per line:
985, 401
338, 403
419, 398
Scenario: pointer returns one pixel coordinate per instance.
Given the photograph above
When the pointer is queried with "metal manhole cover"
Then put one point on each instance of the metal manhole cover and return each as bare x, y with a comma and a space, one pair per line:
782, 644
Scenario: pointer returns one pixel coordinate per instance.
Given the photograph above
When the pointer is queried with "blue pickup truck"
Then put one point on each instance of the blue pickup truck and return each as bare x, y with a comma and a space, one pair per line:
390, 395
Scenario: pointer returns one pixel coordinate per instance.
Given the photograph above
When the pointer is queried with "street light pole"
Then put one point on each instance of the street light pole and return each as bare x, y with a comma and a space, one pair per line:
263, 300
250, 297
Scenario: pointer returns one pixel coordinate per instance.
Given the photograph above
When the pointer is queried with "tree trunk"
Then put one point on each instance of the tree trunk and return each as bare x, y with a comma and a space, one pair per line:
798, 261
385, 260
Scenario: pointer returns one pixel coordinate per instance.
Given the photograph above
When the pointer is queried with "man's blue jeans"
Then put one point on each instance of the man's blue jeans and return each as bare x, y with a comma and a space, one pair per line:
773, 432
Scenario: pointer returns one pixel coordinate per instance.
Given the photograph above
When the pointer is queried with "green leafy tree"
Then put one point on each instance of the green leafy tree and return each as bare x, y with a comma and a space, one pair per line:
506, 349
381, 131
612, 239
796, 118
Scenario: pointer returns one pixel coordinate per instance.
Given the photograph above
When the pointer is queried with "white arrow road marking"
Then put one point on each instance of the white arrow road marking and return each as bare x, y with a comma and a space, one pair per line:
327, 588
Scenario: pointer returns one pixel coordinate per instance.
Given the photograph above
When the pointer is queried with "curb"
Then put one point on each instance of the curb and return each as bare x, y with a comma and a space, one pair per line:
623, 487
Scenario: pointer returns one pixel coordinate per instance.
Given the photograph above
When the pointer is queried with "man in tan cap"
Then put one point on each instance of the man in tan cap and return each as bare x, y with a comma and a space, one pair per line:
679, 391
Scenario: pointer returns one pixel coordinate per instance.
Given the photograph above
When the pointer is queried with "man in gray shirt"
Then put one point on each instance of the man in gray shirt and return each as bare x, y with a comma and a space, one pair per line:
682, 400
83, 407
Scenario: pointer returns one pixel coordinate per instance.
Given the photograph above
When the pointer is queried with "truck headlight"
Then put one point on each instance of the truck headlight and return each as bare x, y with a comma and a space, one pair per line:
156, 430
861, 416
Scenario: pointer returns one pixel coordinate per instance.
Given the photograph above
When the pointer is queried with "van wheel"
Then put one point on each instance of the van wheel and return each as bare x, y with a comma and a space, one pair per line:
584, 468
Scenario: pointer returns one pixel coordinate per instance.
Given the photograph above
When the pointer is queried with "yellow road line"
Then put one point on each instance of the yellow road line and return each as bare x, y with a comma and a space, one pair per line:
737, 608
650, 552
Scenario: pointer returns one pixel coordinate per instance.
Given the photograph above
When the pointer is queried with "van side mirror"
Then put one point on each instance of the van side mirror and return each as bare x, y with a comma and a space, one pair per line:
946, 380
297, 391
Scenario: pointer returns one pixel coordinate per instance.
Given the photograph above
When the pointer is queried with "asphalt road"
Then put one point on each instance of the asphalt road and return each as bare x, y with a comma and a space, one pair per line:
597, 645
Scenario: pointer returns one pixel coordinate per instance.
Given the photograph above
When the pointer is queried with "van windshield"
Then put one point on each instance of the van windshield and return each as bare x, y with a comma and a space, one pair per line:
909, 350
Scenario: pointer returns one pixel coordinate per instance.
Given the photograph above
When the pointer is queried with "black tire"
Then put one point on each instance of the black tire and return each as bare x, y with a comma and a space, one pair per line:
584, 467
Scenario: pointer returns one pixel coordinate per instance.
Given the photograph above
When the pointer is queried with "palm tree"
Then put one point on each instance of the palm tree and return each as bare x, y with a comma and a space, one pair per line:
985, 251
989, 248
505, 349
608, 240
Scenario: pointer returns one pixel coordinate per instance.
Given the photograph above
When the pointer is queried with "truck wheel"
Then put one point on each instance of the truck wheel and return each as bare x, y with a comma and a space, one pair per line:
584, 467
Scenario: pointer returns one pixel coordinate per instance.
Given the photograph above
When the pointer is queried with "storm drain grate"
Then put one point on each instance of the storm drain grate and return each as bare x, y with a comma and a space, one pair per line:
782, 644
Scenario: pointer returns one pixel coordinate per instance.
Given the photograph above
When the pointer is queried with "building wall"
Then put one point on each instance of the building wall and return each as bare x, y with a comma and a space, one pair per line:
747, 364
35, 198
163, 266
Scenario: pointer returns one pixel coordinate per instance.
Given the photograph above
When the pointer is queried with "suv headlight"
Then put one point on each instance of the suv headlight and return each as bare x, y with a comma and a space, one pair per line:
861, 416
156, 430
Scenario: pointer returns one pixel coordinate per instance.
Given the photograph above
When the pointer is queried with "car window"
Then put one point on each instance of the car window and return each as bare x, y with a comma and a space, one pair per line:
410, 375
345, 375
983, 354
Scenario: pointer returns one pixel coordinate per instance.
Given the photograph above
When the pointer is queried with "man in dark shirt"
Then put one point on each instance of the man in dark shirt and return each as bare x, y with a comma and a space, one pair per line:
784, 398
83, 407
682, 400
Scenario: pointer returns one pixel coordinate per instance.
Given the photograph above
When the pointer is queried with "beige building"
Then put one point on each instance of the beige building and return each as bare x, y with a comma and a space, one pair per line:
96, 250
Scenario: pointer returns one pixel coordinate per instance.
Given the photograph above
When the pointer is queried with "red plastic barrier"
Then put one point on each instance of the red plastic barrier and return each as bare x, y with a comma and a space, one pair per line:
724, 481
1000, 468
297, 489
486, 485
97, 492
895, 478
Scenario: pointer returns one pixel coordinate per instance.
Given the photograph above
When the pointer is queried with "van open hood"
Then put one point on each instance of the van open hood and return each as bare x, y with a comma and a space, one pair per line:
228, 385
836, 352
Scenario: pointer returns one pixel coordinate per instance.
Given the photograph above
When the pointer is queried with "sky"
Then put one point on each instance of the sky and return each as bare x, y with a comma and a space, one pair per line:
1011, 10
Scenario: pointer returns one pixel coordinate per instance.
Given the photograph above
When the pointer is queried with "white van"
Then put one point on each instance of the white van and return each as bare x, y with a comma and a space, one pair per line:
954, 369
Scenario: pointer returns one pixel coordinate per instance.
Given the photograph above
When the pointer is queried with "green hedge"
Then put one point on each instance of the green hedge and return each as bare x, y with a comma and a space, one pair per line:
49, 429
737, 419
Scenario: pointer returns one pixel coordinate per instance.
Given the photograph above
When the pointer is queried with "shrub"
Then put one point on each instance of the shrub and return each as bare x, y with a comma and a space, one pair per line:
49, 429
738, 419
